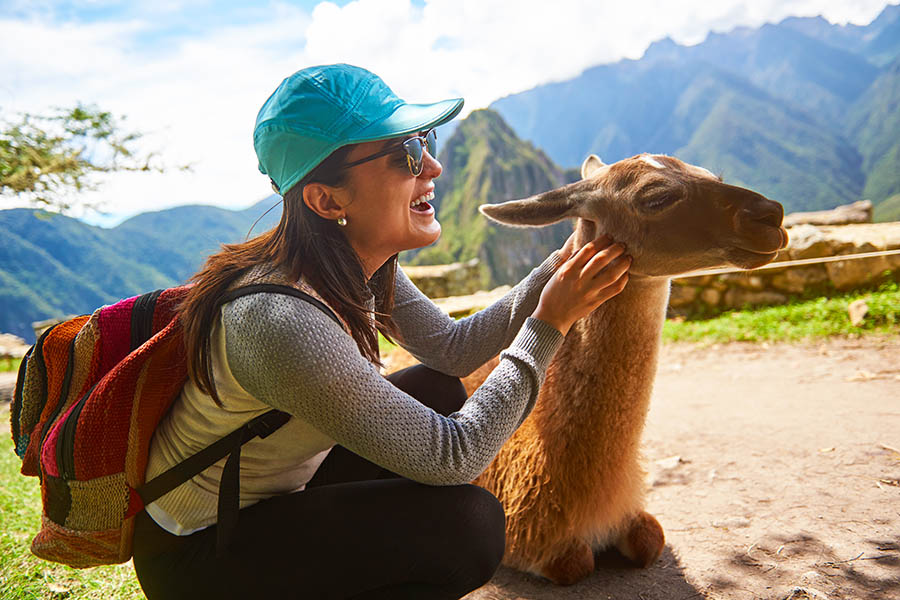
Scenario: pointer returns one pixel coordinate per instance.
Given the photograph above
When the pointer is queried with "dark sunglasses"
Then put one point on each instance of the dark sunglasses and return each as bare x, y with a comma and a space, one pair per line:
415, 152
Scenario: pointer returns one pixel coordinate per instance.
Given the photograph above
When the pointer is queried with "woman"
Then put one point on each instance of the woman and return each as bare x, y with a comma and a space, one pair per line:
389, 512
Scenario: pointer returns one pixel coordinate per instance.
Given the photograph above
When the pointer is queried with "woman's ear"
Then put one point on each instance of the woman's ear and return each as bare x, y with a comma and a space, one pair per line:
320, 199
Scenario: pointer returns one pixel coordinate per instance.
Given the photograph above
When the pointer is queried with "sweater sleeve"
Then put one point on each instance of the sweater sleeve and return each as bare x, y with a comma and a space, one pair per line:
458, 347
289, 355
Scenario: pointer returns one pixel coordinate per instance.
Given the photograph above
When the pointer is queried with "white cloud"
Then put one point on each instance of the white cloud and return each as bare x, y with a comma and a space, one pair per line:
197, 95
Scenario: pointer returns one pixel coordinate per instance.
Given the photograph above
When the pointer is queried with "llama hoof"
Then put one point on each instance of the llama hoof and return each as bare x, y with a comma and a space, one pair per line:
572, 564
644, 541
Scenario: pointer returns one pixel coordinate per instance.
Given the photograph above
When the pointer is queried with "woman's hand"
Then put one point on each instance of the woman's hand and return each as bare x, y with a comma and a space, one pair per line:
568, 249
587, 279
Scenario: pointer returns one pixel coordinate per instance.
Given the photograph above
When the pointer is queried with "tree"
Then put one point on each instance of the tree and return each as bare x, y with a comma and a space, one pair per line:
44, 157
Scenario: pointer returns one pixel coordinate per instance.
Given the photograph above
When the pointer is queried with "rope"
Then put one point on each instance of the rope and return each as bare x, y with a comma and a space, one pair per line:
790, 263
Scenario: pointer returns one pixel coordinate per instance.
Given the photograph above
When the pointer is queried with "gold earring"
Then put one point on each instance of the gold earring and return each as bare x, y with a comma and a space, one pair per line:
342, 221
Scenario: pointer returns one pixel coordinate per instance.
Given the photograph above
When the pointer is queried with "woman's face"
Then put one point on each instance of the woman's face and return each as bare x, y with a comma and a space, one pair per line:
378, 197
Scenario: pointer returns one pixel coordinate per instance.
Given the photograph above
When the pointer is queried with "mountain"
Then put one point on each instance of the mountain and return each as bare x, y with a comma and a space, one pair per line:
485, 162
879, 41
874, 125
700, 113
787, 64
766, 108
53, 265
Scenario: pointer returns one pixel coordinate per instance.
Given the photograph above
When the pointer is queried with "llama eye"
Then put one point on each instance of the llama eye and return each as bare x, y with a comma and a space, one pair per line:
659, 202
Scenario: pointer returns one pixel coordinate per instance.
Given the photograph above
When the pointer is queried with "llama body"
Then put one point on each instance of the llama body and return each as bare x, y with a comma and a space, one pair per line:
572, 472
570, 479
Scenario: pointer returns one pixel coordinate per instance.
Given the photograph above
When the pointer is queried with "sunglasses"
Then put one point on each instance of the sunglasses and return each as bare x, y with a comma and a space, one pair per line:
414, 147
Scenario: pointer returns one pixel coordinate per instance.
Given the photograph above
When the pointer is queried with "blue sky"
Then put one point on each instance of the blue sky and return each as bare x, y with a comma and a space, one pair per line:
192, 74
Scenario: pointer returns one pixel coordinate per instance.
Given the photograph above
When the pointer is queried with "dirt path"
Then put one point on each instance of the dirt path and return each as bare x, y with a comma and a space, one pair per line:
772, 468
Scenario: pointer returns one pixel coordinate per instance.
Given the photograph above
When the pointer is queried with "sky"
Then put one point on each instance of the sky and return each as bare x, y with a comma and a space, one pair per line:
192, 74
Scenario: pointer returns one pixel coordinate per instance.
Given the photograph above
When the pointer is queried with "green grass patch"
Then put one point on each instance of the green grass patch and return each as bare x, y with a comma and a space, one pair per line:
23, 575
384, 346
805, 319
9, 364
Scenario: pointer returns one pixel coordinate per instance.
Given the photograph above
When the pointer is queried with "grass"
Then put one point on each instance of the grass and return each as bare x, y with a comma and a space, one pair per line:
9, 364
807, 319
23, 575
384, 346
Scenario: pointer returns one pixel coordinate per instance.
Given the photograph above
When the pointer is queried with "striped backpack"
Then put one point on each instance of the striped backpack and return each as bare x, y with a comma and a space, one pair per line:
89, 395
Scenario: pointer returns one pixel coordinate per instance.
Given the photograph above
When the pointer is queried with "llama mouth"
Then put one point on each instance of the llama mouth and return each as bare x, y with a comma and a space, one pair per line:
750, 259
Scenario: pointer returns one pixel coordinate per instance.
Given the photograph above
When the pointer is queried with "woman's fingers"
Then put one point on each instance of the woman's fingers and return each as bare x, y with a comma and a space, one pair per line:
601, 259
587, 252
613, 289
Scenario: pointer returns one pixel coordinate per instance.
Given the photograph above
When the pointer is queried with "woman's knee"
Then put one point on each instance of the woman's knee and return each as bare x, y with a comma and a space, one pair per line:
480, 532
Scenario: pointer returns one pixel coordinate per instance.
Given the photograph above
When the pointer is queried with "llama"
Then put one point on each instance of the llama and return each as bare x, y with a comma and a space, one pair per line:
570, 478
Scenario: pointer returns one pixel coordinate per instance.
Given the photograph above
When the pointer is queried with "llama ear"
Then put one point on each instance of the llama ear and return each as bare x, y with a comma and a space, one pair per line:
542, 209
591, 164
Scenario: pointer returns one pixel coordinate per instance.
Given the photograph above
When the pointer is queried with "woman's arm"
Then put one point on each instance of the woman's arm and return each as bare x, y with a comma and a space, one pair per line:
290, 356
459, 347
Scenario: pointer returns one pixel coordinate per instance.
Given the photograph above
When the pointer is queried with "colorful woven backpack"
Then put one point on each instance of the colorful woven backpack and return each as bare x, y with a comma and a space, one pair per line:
89, 395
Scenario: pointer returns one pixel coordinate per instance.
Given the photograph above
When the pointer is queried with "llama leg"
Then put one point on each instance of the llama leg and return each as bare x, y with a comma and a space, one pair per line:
569, 563
643, 542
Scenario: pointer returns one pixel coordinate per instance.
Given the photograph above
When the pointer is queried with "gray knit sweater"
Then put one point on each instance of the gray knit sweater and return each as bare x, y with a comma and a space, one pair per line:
272, 350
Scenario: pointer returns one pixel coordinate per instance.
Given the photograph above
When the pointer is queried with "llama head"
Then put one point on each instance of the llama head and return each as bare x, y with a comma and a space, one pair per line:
673, 217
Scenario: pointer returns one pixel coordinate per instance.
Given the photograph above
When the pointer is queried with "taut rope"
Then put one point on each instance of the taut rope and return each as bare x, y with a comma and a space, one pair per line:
790, 263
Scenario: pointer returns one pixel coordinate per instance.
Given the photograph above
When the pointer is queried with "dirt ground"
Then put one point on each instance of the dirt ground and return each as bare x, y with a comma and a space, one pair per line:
775, 472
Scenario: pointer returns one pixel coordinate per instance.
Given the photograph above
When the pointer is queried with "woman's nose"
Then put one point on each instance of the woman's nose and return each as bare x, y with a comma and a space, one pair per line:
431, 168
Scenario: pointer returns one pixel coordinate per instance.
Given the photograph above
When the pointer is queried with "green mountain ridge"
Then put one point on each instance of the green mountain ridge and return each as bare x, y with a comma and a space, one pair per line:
874, 125
486, 163
54, 265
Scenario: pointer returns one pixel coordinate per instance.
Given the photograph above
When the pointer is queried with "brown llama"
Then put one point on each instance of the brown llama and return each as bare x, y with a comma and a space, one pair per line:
570, 479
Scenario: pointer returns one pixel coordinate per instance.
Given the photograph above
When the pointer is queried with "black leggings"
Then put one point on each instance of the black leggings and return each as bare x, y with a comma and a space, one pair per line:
356, 531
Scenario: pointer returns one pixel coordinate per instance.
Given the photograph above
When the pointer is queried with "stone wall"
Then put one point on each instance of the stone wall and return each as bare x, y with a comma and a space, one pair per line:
709, 294
441, 281
713, 293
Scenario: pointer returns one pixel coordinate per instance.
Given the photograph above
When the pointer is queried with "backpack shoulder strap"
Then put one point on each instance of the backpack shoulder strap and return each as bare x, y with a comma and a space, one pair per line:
230, 445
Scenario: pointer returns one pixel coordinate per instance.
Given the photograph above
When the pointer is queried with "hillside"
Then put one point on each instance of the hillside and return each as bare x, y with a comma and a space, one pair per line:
874, 125
53, 265
879, 41
485, 162
766, 107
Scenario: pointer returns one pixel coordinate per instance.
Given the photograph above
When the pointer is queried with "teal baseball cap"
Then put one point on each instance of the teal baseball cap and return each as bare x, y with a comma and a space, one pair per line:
317, 110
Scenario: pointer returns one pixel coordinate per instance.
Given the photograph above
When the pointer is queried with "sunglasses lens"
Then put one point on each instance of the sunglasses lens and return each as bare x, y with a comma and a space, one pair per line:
431, 142
414, 155
415, 151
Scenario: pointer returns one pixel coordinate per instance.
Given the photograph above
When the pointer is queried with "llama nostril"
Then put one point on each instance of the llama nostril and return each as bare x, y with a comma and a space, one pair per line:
766, 212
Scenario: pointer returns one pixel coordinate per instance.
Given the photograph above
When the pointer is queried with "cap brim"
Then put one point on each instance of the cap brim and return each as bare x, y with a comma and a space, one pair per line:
410, 118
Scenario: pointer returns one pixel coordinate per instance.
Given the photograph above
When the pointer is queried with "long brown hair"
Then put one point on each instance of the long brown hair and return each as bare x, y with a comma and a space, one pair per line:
303, 244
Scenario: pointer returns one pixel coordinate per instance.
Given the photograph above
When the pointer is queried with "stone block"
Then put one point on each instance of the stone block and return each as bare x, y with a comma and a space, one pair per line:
858, 212
797, 279
719, 284
737, 297
807, 241
748, 281
682, 295
442, 281
711, 296
848, 274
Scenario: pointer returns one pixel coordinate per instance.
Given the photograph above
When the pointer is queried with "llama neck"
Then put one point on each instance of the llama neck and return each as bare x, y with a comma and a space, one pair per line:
603, 375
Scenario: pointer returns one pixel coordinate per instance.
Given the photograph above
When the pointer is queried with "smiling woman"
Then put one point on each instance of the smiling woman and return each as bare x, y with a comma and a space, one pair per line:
363, 490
